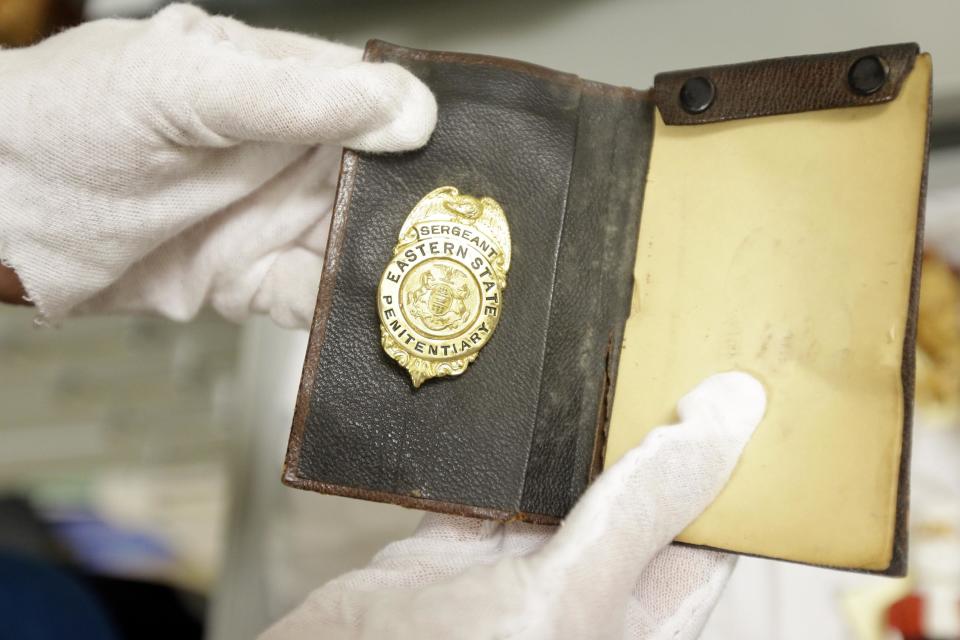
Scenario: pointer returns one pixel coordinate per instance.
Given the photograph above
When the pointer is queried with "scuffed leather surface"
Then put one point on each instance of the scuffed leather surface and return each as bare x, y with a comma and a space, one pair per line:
591, 298
782, 85
471, 444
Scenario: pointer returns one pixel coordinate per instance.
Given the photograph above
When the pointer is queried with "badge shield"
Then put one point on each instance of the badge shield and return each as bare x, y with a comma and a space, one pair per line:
441, 294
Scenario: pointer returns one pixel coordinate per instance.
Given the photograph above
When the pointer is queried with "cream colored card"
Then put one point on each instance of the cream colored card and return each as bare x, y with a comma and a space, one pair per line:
784, 246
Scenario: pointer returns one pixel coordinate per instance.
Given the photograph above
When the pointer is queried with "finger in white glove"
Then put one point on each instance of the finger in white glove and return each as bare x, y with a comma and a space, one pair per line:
261, 255
249, 84
607, 572
125, 145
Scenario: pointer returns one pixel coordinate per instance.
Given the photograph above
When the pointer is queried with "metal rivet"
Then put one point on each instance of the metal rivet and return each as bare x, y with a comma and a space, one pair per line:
868, 74
697, 94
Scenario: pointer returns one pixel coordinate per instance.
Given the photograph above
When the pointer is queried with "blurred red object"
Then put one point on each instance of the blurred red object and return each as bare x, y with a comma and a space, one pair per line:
908, 614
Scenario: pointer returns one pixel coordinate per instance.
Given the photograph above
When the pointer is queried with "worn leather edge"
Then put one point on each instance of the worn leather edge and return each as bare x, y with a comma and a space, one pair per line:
422, 504
782, 85
898, 561
604, 408
345, 182
377, 50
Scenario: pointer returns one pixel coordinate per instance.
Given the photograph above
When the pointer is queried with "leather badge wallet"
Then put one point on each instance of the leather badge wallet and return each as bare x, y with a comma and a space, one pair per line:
511, 308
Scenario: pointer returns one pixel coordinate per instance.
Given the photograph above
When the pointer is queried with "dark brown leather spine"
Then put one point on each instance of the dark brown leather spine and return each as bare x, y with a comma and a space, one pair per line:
782, 85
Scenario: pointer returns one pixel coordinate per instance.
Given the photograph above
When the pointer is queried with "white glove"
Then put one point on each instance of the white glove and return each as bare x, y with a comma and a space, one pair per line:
608, 571
162, 164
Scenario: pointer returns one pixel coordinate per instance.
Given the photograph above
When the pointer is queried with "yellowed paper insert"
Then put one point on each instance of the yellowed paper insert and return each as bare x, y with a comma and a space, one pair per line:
783, 246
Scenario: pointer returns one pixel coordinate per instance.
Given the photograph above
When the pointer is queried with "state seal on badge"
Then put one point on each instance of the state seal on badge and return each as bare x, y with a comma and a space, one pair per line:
441, 294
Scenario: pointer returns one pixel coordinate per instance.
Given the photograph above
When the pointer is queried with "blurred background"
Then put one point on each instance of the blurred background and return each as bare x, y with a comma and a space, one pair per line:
145, 456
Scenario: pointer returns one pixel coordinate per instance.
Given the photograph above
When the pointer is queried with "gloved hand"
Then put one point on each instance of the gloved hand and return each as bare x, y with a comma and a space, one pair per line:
608, 571
162, 164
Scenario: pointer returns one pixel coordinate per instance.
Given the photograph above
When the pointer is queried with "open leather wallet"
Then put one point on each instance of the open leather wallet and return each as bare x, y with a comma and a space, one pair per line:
764, 217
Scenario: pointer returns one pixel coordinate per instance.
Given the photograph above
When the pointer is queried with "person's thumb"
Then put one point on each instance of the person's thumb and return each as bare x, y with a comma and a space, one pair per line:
642, 502
676, 593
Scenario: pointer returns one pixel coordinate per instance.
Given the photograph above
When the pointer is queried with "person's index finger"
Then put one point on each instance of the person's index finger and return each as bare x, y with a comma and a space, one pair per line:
277, 44
193, 22
367, 106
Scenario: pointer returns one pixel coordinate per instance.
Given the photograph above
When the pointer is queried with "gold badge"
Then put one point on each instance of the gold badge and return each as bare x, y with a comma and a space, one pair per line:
441, 294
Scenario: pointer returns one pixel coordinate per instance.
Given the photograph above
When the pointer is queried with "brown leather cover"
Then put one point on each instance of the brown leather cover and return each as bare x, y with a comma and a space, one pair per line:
782, 85
515, 436
522, 432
